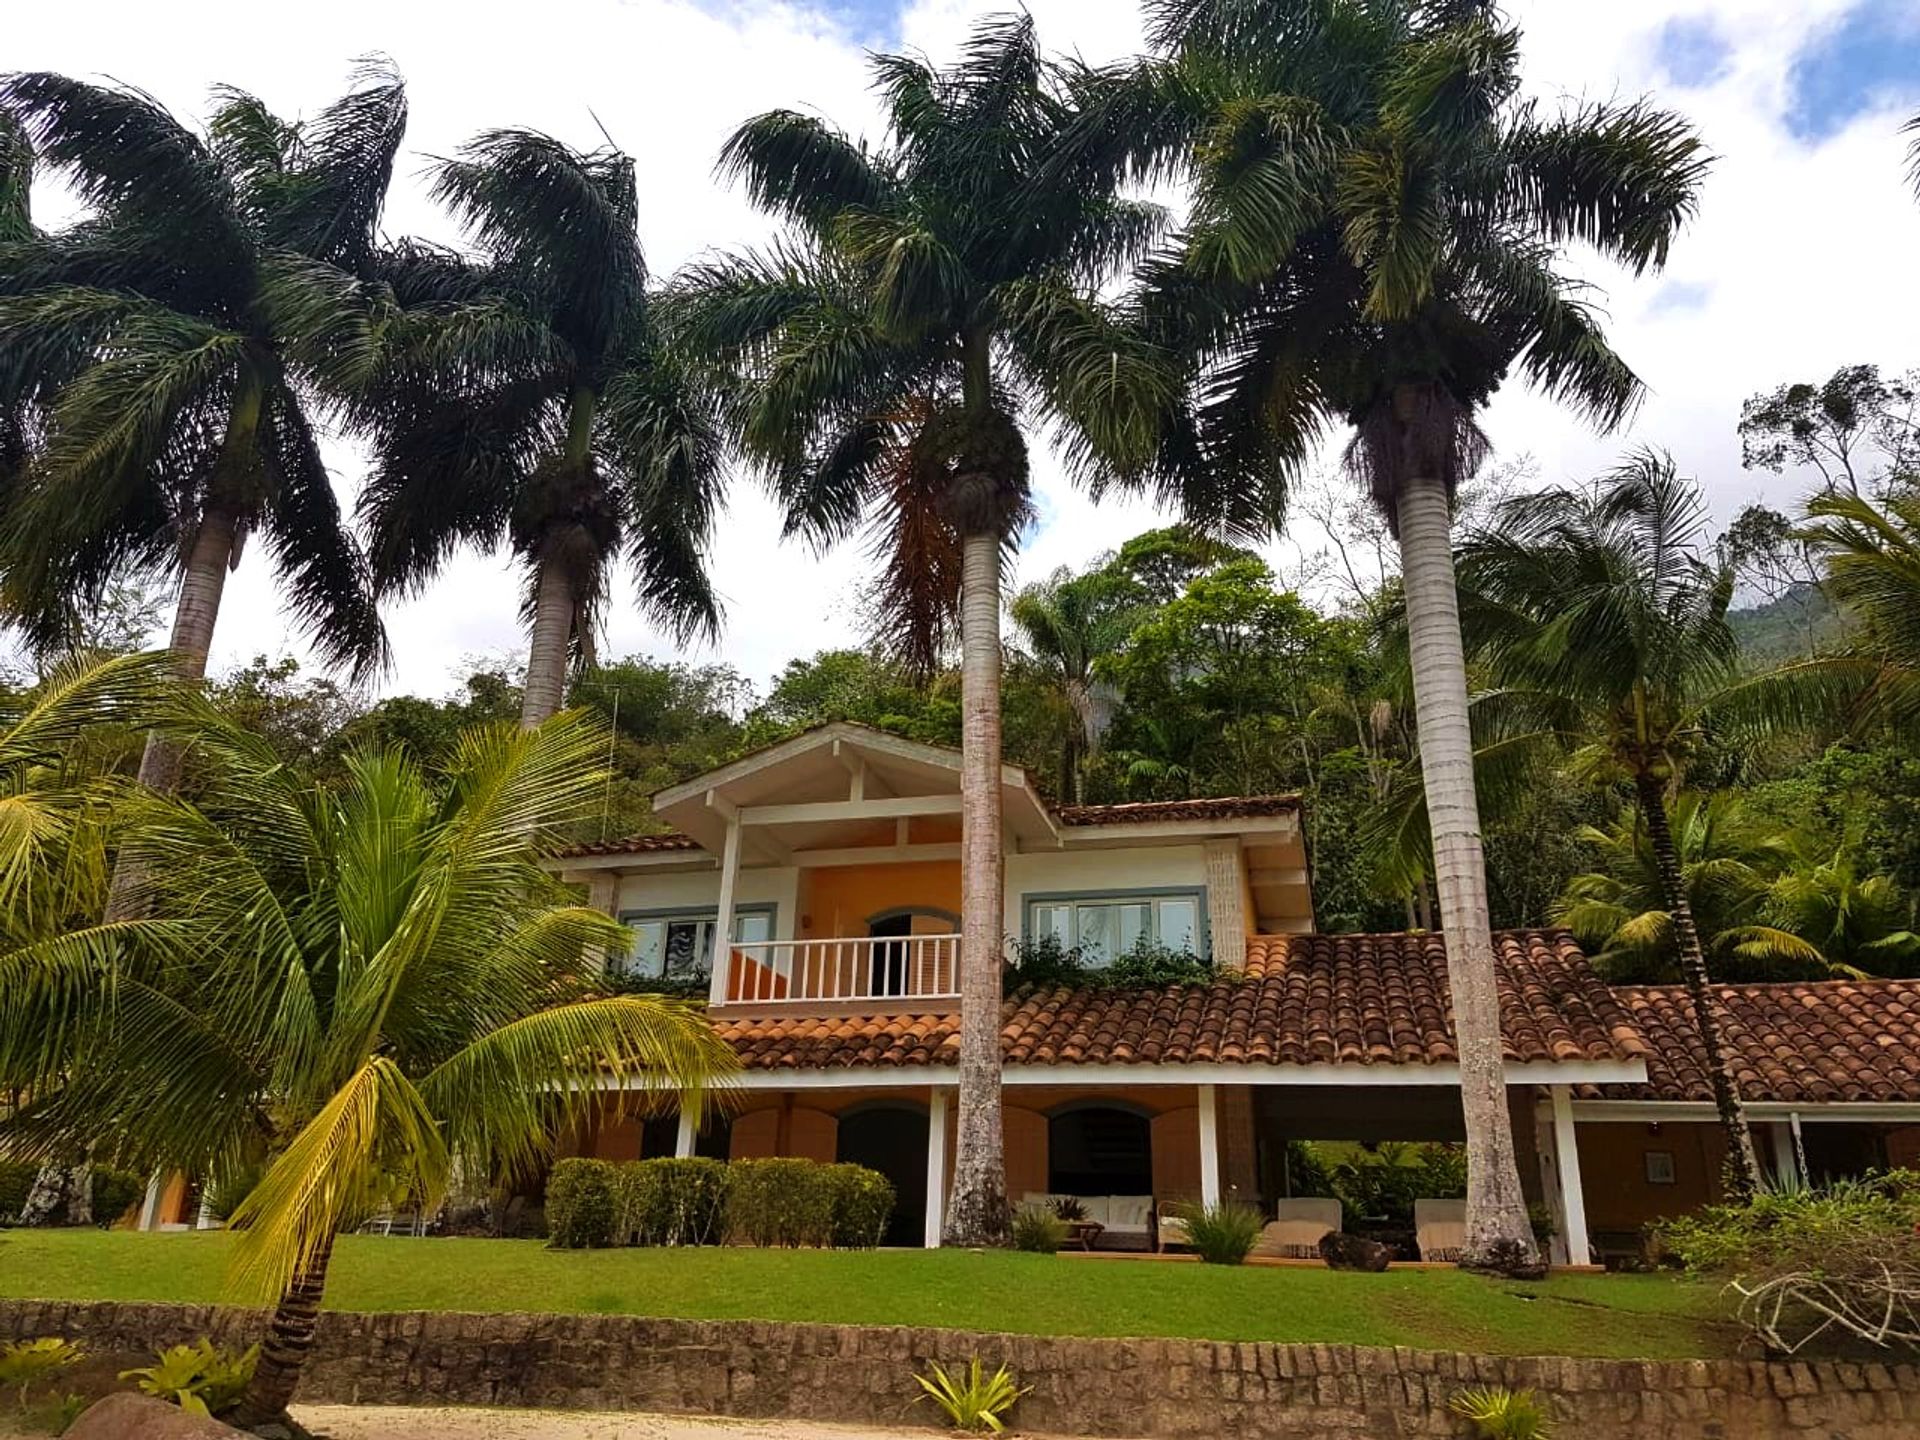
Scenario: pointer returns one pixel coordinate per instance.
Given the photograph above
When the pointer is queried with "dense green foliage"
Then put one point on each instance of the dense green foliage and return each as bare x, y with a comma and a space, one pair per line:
1224, 1233
775, 1202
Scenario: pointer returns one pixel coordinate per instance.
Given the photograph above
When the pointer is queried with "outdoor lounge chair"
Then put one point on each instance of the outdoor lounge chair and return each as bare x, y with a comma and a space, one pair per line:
1171, 1230
1296, 1228
1440, 1229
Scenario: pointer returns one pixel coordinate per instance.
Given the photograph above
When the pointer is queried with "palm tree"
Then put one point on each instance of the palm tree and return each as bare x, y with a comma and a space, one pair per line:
1872, 557
1730, 866
1070, 624
174, 341
1601, 616
1376, 223
927, 298
362, 988
532, 395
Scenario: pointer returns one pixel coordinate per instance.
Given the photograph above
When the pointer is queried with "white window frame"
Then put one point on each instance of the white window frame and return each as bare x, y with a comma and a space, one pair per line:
1155, 899
705, 919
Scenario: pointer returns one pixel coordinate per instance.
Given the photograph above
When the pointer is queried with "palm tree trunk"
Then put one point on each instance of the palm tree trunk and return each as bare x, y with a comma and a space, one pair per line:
978, 1215
1499, 1235
283, 1354
549, 645
1743, 1165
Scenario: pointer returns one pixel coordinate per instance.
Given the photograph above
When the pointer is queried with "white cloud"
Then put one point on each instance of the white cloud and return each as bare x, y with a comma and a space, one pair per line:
1801, 259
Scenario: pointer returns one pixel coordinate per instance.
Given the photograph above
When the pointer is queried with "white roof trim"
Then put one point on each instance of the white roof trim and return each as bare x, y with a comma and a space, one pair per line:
1648, 1112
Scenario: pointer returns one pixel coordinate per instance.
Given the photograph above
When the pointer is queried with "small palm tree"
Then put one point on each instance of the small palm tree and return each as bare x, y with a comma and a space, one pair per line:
1601, 617
1374, 241
1729, 866
532, 395
174, 342
928, 297
361, 988
1070, 624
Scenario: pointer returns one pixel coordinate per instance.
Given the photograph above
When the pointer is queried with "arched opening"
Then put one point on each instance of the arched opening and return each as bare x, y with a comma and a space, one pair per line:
661, 1135
893, 1140
1099, 1150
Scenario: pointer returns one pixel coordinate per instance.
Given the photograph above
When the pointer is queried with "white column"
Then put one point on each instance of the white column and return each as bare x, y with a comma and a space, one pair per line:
204, 1220
1550, 1181
1786, 1155
1567, 1155
1209, 1146
683, 1138
723, 922
150, 1209
936, 1167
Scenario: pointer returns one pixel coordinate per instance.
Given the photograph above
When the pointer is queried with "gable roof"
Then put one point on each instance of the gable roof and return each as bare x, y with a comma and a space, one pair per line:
1834, 1041
1348, 1000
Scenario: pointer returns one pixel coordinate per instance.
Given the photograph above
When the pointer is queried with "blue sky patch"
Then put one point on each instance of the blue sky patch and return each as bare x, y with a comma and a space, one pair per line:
1692, 50
1679, 296
1869, 60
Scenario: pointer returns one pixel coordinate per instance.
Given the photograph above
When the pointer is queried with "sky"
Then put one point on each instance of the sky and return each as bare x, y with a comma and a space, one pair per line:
1805, 255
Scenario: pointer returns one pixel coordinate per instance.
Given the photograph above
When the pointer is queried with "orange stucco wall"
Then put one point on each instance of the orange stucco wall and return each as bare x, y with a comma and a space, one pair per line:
838, 900
785, 1129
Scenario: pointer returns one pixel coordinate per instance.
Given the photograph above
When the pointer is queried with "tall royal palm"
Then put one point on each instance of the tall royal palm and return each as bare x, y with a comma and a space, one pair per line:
1376, 221
174, 341
929, 297
1600, 615
530, 395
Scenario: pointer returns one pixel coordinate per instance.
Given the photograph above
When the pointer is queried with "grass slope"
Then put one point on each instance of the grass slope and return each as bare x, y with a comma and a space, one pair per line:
1624, 1316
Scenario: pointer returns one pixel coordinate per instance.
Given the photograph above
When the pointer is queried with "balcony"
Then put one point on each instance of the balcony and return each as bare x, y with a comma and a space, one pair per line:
854, 973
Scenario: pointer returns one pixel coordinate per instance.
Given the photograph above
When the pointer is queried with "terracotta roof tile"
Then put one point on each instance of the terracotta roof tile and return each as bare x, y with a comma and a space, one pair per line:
1147, 812
1828, 1040
632, 845
1308, 999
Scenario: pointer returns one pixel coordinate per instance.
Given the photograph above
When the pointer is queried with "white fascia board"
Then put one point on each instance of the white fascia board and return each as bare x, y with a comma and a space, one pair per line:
1652, 1112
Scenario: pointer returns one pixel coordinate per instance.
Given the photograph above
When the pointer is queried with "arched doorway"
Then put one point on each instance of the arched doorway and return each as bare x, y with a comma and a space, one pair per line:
1099, 1150
893, 1140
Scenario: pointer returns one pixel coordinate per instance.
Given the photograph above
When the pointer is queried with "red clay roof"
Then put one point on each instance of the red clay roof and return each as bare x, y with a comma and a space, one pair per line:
632, 845
1309, 999
1146, 812
1831, 1040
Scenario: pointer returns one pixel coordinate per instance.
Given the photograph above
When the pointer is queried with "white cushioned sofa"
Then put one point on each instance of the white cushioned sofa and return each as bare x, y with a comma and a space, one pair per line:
1126, 1221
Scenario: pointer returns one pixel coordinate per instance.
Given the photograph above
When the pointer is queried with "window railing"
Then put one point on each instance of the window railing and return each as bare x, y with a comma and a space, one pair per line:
862, 968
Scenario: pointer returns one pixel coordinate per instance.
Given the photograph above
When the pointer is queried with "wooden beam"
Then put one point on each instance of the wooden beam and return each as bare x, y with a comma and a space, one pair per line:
722, 806
826, 810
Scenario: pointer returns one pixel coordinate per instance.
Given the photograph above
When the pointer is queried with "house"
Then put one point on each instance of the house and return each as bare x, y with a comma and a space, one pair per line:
831, 864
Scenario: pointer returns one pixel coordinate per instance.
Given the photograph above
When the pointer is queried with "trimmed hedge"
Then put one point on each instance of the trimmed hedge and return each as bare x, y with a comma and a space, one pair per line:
792, 1203
580, 1204
16, 1183
682, 1201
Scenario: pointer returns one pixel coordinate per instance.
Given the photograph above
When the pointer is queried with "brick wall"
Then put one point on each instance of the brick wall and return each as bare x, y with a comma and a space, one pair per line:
1167, 1389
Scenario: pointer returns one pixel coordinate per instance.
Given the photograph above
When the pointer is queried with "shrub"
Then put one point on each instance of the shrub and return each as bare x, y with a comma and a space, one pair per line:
580, 1209
779, 1202
1223, 1234
1841, 1259
114, 1193
791, 1202
224, 1192
1500, 1414
1069, 1207
25, 1363
977, 1401
16, 1183
202, 1379
1149, 965
671, 1201
1038, 1230
862, 1204
1044, 960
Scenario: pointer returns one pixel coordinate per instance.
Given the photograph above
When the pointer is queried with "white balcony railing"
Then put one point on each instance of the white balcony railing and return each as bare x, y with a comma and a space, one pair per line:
865, 968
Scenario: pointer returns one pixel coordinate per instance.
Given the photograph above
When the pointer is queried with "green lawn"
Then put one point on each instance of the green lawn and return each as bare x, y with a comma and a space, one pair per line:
1627, 1316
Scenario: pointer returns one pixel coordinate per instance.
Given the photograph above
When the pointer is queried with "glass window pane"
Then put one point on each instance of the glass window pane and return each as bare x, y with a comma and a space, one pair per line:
751, 928
686, 940
649, 943
1180, 925
1055, 920
1131, 923
1098, 930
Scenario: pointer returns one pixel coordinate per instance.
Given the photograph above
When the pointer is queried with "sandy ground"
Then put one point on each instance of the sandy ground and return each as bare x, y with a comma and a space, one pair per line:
350, 1422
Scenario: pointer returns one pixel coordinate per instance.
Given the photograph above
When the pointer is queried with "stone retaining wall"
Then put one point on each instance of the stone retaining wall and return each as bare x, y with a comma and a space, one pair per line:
1167, 1389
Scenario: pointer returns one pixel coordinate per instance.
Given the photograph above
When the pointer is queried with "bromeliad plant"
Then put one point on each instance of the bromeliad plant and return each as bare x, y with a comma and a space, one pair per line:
365, 985
975, 1400
202, 1379
24, 1363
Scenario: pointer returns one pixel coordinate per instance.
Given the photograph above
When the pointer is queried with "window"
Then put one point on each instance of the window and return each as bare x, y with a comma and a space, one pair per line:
1105, 927
678, 947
